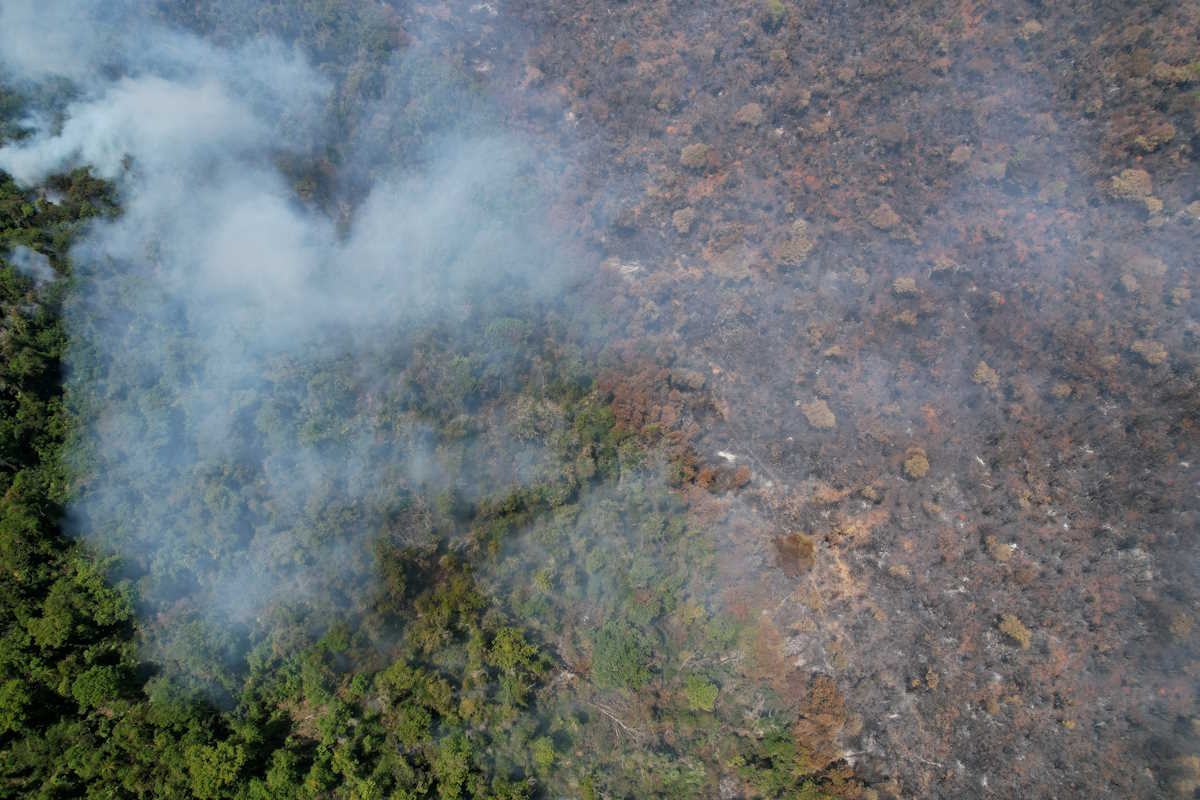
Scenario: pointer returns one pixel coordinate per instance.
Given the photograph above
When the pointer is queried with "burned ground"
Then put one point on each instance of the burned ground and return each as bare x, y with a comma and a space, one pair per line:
998, 208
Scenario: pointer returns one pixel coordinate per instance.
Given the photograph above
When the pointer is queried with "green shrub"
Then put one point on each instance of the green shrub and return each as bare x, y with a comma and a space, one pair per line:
620, 657
774, 12
701, 694
543, 753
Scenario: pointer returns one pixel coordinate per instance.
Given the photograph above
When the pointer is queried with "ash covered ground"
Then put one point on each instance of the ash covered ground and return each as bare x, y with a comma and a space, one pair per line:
935, 268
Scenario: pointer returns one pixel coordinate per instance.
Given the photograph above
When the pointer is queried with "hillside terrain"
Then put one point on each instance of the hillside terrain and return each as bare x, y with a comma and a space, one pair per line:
601, 400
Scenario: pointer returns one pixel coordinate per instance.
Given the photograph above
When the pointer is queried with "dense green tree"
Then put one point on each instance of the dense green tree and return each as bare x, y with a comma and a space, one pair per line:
620, 656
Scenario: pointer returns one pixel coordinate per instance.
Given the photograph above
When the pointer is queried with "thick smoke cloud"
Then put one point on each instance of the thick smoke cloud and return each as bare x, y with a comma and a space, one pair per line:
216, 284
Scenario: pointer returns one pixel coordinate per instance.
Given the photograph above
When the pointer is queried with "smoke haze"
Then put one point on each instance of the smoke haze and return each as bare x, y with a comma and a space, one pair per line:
216, 263
886, 383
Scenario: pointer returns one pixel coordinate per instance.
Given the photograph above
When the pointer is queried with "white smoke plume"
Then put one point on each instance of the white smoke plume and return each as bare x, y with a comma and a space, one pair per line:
32, 264
216, 279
